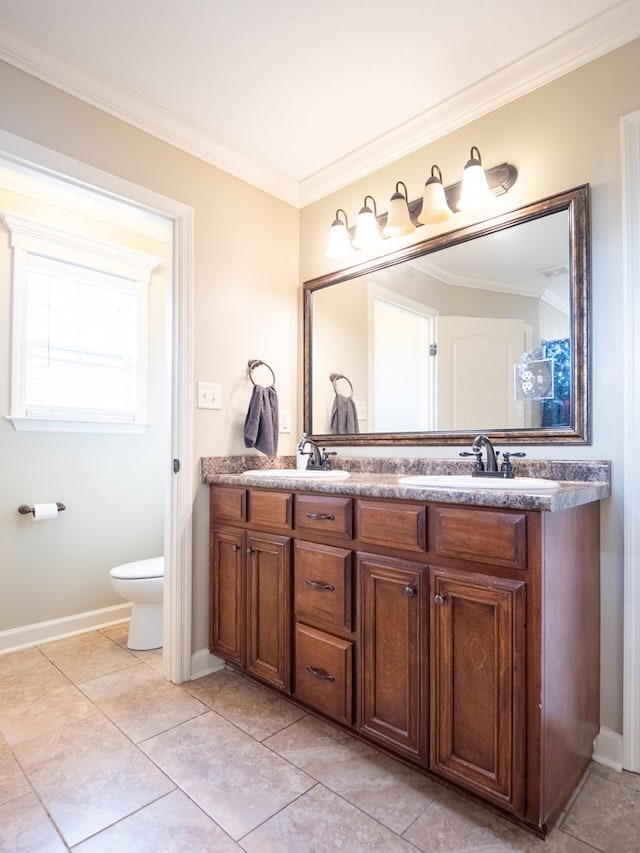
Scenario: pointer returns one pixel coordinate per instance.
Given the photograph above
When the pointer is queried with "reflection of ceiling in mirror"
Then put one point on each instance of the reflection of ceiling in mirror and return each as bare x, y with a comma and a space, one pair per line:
531, 259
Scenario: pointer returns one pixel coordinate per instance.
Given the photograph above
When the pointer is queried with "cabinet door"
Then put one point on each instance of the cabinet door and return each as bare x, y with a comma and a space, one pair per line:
269, 608
477, 683
392, 653
226, 590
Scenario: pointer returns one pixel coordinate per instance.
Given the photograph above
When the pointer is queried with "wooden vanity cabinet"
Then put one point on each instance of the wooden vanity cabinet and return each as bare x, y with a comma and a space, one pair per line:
250, 582
464, 639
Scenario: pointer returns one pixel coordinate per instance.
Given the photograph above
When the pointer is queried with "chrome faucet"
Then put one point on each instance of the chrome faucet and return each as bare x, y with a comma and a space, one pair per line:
318, 459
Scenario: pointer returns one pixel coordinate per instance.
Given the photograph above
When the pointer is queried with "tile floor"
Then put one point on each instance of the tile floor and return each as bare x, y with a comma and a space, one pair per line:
99, 753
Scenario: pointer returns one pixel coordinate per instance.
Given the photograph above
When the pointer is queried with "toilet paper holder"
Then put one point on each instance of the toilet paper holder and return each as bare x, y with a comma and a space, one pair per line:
25, 509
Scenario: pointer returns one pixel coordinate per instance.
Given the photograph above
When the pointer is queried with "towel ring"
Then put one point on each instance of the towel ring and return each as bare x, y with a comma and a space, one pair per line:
334, 379
256, 362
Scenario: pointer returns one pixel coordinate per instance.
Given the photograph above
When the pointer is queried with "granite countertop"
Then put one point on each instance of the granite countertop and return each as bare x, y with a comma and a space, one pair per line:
581, 482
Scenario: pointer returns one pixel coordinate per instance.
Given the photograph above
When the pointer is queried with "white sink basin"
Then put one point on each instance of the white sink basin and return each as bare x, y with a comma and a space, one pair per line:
295, 474
466, 481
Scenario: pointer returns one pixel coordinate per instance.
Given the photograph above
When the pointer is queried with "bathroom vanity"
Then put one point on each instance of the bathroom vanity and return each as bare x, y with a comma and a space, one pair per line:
458, 630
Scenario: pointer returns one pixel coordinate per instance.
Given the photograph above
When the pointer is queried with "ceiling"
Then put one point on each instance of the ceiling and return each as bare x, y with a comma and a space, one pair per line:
300, 98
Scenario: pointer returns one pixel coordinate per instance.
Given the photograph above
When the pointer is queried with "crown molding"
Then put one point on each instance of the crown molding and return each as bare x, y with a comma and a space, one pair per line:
596, 37
34, 58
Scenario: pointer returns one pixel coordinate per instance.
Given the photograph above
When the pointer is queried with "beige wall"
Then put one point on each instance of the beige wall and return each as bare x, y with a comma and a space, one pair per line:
563, 135
246, 304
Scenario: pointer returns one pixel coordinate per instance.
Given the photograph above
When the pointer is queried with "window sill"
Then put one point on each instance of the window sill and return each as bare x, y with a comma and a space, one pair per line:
22, 424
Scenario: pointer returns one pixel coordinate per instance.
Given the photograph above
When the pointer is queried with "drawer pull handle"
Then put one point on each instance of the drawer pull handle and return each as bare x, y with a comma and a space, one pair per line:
321, 516
410, 591
439, 599
322, 674
320, 585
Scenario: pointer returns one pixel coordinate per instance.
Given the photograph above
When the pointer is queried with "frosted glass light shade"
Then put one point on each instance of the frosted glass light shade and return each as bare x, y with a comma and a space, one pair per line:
474, 192
339, 239
398, 219
434, 200
367, 235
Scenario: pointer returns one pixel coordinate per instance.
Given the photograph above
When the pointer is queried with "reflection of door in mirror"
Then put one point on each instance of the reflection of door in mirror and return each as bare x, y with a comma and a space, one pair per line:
401, 374
475, 360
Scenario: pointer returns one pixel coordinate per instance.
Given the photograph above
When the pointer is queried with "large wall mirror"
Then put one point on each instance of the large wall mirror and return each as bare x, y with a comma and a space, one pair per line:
484, 329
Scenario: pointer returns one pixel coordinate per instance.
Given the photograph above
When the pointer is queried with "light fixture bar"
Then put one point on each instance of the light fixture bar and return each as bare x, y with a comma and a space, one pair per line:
500, 179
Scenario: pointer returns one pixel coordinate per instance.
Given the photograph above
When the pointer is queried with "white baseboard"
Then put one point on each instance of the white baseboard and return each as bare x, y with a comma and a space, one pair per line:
607, 748
204, 663
57, 629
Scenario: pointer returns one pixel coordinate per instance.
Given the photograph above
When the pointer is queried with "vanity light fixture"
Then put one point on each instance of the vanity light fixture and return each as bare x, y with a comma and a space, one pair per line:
339, 239
367, 235
477, 189
474, 192
434, 200
398, 219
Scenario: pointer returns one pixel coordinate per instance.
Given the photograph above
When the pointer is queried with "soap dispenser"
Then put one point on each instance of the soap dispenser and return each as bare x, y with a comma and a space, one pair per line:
301, 458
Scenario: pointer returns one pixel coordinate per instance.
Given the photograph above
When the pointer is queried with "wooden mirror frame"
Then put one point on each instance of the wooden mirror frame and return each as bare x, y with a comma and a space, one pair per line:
576, 203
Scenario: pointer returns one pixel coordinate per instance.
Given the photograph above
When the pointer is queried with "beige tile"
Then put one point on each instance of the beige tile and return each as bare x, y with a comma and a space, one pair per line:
24, 825
117, 633
38, 702
89, 775
252, 708
152, 657
620, 777
453, 823
383, 788
87, 656
15, 666
13, 782
237, 781
141, 702
172, 824
319, 822
605, 815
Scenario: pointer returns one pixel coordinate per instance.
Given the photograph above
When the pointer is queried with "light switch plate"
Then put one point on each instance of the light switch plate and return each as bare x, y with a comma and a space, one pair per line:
285, 420
361, 409
209, 395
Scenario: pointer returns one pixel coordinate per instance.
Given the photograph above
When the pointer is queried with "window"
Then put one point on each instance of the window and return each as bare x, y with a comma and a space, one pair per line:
79, 357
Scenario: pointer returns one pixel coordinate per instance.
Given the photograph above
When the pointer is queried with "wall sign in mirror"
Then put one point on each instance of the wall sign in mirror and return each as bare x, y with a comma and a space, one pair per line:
484, 329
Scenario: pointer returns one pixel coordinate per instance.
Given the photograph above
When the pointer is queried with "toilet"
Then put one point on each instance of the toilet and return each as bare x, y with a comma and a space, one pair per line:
142, 584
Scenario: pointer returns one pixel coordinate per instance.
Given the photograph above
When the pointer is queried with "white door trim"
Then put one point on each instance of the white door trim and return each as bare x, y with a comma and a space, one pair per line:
23, 154
630, 133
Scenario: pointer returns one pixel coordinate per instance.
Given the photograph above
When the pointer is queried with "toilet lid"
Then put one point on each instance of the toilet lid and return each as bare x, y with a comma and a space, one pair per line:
152, 568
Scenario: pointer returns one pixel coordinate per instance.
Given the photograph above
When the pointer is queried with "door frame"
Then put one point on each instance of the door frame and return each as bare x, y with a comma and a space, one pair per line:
630, 139
25, 155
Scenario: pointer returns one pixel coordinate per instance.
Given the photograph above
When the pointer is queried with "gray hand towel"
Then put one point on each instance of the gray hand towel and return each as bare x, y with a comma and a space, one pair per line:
344, 418
261, 422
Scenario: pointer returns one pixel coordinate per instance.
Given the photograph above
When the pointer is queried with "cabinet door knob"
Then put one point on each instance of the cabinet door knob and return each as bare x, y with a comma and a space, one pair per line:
249, 550
235, 547
439, 599
322, 674
410, 591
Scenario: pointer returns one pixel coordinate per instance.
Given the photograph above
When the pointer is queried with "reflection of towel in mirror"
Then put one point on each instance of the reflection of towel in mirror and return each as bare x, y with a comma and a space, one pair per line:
344, 418
261, 423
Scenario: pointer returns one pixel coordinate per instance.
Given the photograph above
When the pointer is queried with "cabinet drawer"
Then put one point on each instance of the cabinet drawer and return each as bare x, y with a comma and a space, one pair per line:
324, 673
227, 503
484, 536
270, 509
323, 578
393, 525
331, 515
